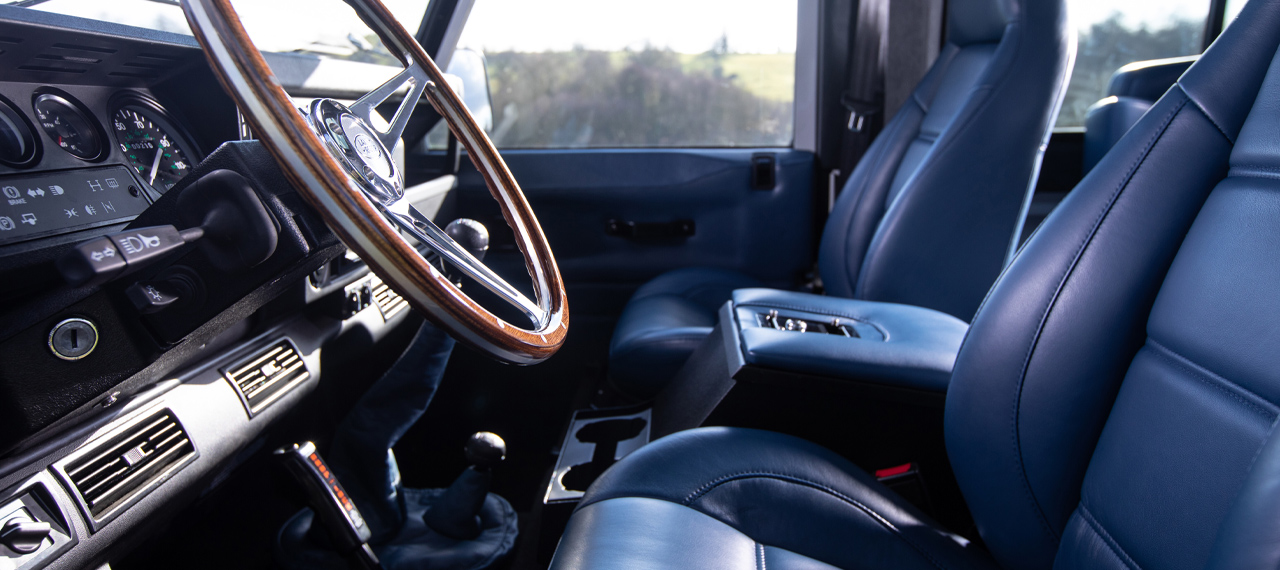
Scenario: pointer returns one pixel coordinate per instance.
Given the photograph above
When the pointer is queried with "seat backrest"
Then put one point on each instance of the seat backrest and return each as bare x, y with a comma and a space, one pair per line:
928, 216
1132, 90
1124, 372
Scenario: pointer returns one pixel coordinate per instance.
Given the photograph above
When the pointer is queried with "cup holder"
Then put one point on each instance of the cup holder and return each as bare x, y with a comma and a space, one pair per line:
592, 445
605, 434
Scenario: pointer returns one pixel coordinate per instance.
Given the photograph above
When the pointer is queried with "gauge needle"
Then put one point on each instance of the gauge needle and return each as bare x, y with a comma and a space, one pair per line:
155, 163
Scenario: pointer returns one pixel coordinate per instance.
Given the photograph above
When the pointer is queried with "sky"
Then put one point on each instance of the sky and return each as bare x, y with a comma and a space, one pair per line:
752, 26
689, 26
1136, 12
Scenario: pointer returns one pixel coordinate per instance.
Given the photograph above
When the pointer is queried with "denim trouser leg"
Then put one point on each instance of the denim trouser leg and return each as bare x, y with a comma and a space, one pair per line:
361, 450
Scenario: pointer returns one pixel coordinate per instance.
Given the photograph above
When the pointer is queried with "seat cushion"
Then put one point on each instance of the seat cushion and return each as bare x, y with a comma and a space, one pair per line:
664, 322
739, 498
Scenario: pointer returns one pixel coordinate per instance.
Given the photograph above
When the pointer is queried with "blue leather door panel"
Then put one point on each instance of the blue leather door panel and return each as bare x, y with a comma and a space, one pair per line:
576, 193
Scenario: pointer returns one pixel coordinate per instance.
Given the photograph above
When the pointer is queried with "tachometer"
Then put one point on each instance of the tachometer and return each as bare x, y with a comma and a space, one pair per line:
68, 125
152, 144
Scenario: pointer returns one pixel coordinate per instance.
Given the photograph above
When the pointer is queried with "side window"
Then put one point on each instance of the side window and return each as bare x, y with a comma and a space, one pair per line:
1112, 34
659, 73
1232, 10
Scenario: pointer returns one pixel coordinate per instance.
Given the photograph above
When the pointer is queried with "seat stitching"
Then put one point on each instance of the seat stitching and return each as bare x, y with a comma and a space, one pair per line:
671, 340
1205, 112
635, 345
1035, 339
711, 485
1254, 172
651, 339
1106, 537
1261, 167
760, 561
1211, 378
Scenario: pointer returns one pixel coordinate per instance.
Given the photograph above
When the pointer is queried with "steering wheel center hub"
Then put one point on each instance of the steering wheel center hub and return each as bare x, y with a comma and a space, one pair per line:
358, 149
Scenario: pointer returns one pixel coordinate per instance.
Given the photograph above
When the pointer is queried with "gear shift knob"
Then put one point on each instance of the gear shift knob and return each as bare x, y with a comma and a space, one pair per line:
456, 513
472, 236
485, 450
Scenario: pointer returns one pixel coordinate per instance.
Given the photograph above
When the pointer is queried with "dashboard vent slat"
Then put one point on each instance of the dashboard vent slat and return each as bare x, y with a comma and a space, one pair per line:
50, 69
115, 471
263, 377
388, 301
94, 49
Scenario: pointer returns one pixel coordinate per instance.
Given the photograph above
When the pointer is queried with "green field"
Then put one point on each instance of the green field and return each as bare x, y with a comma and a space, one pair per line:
768, 76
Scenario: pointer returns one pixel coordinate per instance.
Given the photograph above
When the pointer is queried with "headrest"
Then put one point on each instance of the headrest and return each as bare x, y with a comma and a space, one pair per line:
1148, 79
979, 21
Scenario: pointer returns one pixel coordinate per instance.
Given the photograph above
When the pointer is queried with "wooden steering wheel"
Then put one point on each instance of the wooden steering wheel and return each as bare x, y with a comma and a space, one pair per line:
342, 165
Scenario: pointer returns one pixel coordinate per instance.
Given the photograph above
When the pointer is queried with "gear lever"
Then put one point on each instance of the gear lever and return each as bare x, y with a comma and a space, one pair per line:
471, 235
456, 513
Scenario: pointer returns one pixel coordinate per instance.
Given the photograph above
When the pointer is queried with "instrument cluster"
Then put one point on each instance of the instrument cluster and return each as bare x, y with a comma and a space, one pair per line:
71, 168
156, 147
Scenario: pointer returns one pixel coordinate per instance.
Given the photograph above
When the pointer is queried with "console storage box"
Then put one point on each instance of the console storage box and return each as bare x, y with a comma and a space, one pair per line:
797, 347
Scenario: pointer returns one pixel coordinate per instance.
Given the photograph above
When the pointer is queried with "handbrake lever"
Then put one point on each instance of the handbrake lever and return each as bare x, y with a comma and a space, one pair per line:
333, 507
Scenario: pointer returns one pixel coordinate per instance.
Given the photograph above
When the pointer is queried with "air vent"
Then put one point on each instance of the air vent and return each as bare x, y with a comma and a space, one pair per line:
114, 472
262, 378
388, 301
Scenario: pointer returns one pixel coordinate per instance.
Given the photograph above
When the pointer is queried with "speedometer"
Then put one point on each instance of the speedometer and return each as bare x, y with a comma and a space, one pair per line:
152, 144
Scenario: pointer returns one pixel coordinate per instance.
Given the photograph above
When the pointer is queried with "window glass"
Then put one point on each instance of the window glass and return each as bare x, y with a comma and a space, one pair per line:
1112, 34
1233, 10
328, 29
659, 73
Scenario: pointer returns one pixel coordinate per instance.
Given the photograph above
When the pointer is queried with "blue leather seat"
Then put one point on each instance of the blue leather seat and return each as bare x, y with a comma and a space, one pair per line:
930, 213
1114, 405
1133, 89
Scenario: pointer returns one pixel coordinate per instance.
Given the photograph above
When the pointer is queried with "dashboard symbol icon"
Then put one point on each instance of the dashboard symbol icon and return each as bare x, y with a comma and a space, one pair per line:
11, 192
6, 223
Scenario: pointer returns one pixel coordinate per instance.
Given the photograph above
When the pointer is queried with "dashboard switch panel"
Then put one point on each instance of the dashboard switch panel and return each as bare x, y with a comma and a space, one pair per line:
52, 203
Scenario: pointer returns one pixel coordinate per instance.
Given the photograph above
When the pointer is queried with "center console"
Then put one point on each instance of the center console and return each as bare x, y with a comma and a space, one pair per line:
867, 380
898, 346
771, 347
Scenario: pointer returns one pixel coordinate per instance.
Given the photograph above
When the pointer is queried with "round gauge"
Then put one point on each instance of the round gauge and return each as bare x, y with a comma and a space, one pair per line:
17, 137
68, 126
152, 144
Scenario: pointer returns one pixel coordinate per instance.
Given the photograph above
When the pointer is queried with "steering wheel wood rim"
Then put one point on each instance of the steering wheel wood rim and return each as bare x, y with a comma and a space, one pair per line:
369, 227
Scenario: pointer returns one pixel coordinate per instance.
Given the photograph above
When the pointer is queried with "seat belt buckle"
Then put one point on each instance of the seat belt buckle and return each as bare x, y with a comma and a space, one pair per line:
905, 480
860, 111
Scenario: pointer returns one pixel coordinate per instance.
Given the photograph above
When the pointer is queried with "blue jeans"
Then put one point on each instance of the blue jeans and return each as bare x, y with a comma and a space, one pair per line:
361, 450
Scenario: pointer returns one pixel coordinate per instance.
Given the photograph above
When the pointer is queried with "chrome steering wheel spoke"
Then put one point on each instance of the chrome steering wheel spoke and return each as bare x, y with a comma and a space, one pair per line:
414, 223
365, 107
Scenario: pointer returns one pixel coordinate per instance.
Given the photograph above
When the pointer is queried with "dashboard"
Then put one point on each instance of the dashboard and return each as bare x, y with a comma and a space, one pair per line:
115, 413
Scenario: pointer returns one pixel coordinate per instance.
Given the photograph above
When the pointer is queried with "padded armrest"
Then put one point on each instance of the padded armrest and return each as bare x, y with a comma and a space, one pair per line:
900, 345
